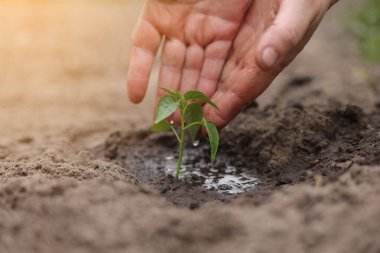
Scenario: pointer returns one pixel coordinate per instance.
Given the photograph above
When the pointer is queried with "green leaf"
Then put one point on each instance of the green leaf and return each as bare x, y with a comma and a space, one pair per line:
194, 113
175, 94
161, 126
166, 107
213, 136
199, 95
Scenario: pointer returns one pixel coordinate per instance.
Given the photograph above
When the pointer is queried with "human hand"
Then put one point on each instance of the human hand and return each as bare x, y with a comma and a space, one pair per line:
273, 34
198, 37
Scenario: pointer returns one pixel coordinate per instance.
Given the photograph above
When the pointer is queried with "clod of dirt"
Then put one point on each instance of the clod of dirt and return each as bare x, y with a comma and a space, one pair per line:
70, 165
300, 81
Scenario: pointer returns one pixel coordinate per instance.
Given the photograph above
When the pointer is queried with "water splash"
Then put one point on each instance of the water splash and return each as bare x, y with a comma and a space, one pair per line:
169, 158
225, 178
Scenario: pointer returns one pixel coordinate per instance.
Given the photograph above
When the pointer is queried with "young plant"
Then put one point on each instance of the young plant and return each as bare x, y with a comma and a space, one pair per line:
191, 119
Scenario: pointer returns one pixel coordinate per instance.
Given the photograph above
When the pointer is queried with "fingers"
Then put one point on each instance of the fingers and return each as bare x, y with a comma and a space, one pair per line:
215, 57
190, 72
145, 43
201, 69
284, 39
245, 85
249, 72
172, 61
192, 68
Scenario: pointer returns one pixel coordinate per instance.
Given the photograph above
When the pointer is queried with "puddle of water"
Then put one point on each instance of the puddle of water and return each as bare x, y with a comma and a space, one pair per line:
223, 177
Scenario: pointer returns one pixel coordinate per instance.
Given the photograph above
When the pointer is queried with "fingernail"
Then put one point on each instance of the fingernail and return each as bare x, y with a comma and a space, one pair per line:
269, 57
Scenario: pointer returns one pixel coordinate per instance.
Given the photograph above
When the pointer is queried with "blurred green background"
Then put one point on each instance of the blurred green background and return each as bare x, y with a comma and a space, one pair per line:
364, 22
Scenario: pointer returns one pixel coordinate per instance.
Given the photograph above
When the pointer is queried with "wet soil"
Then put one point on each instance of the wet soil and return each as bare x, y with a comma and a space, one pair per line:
278, 146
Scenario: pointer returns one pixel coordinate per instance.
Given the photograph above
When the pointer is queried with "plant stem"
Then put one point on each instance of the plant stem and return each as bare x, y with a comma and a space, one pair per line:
182, 145
176, 134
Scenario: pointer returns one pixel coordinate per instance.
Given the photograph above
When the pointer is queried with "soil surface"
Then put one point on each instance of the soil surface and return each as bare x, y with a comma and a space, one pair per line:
276, 146
297, 171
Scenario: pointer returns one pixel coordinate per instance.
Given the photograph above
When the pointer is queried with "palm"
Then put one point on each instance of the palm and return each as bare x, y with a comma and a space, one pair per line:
284, 25
198, 36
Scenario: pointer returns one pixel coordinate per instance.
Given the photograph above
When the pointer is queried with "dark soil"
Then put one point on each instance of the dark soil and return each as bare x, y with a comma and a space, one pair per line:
281, 146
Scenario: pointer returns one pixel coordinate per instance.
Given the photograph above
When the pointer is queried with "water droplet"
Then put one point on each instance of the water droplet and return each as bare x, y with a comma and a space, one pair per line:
196, 143
172, 122
169, 158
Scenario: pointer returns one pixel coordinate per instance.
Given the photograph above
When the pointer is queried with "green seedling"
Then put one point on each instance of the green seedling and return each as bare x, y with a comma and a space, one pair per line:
191, 119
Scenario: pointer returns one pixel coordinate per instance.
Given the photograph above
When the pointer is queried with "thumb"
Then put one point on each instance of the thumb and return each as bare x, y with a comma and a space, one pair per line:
293, 26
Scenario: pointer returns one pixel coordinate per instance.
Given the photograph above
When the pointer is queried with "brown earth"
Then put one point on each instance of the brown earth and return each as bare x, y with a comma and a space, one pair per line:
80, 171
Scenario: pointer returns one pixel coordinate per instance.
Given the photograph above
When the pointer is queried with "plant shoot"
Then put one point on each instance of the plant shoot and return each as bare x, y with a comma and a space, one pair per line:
191, 120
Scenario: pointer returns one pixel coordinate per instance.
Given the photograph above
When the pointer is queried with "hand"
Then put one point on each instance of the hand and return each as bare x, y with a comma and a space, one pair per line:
198, 37
273, 33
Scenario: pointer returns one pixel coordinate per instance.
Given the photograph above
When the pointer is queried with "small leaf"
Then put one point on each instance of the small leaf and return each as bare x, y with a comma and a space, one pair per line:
213, 136
199, 95
161, 126
166, 107
194, 113
175, 94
